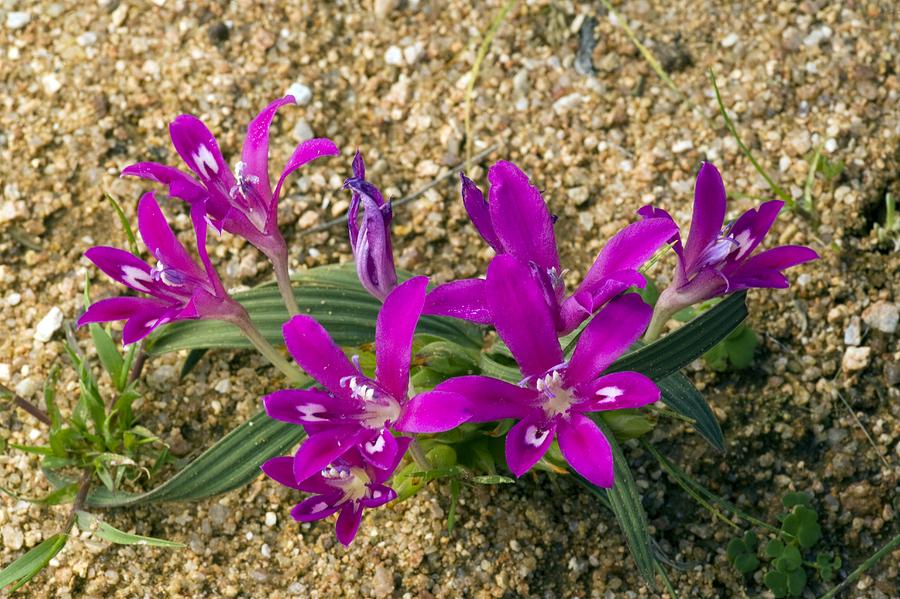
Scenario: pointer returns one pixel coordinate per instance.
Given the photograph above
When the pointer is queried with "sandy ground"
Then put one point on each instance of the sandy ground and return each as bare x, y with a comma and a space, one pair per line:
88, 88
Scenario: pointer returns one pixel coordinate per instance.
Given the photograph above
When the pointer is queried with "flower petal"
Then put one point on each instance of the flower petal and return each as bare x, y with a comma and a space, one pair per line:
607, 336
380, 449
317, 354
587, 450
491, 399
198, 148
307, 151
521, 315
479, 212
520, 217
433, 412
394, 332
753, 226
116, 308
372, 250
764, 269
146, 320
255, 153
180, 184
380, 475
317, 507
348, 522
708, 215
125, 268
464, 298
526, 443
162, 242
378, 496
321, 449
281, 470
628, 249
617, 391
305, 406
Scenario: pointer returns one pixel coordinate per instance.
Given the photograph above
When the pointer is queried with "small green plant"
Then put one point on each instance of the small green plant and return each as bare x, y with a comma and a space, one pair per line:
735, 352
789, 570
890, 232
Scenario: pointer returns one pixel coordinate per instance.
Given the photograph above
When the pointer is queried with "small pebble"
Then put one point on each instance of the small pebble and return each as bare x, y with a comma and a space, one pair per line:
730, 40
302, 94
48, 325
882, 316
856, 358
394, 56
17, 19
271, 519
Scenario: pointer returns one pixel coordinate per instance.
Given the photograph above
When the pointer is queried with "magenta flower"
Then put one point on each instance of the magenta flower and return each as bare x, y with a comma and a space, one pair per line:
516, 222
179, 289
354, 410
241, 202
348, 485
371, 243
555, 396
715, 260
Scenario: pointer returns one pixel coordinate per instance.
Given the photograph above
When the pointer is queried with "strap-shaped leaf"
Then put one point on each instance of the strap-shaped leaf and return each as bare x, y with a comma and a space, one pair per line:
679, 348
679, 394
330, 294
625, 502
231, 463
23, 569
108, 532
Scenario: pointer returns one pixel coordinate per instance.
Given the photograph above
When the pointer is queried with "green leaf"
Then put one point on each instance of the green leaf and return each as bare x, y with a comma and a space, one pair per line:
746, 563
627, 424
62, 495
735, 351
126, 225
796, 582
625, 502
681, 347
23, 569
679, 393
750, 540
107, 532
793, 499
809, 535
777, 583
492, 479
331, 294
735, 549
108, 353
790, 559
775, 548
45, 450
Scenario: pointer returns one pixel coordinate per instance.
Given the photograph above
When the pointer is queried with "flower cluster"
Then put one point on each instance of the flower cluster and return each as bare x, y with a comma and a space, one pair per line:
360, 424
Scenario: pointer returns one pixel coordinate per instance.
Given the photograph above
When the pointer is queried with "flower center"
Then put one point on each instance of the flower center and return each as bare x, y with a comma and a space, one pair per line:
379, 408
352, 480
245, 195
556, 398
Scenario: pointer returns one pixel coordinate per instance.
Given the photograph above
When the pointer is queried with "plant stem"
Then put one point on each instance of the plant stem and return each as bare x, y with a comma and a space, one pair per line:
418, 455
291, 372
83, 488
283, 278
891, 545
26, 405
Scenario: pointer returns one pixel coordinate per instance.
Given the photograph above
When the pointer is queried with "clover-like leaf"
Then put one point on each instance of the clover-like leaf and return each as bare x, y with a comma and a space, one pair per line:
809, 535
750, 540
746, 563
794, 499
735, 549
777, 583
790, 559
796, 582
774, 548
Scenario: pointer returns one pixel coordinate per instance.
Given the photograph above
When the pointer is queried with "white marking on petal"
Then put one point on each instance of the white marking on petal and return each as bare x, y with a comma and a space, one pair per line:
204, 159
376, 494
309, 412
135, 277
319, 507
535, 436
609, 394
377, 446
743, 241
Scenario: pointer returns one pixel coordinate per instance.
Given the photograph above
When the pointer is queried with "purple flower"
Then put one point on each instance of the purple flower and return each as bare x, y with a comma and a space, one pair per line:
555, 396
179, 289
371, 242
354, 410
715, 260
348, 485
516, 222
241, 202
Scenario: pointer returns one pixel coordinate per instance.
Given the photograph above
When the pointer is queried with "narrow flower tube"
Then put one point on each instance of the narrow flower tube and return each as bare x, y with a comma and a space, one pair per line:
241, 201
717, 260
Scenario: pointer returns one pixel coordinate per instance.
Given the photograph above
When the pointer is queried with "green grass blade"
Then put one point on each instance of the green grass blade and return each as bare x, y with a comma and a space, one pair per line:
23, 569
107, 532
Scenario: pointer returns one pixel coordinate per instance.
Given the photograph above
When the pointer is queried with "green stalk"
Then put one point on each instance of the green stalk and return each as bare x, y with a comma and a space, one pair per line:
291, 372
